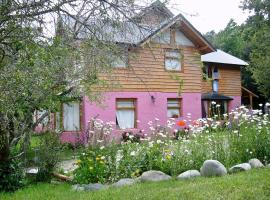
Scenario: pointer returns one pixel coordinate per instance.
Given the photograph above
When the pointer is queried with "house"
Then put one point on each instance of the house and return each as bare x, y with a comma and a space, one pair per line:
174, 73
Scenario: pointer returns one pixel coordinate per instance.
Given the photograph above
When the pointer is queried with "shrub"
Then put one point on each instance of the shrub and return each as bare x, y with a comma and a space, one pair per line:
11, 175
48, 155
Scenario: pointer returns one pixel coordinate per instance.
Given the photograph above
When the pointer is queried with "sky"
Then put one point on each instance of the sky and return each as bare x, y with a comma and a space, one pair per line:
209, 14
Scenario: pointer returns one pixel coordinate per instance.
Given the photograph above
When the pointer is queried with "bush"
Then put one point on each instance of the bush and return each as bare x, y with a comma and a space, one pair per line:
11, 176
48, 155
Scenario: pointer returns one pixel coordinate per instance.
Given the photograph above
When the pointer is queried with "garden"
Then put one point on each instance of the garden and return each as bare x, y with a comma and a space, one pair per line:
180, 150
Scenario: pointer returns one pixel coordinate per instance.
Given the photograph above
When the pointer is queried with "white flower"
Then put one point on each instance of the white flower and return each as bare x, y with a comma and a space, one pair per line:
102, 147
235, 132
260, 105
217, 105
213, 103
267, 104
132, 153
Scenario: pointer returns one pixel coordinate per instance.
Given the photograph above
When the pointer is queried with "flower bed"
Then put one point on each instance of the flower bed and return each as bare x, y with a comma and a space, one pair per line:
240, 136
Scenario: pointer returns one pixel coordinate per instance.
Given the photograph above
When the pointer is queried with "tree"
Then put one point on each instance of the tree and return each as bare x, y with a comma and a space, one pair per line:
258, 29
39, 70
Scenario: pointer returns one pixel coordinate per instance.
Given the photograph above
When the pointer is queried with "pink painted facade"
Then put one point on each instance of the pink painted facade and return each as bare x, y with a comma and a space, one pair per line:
146, 110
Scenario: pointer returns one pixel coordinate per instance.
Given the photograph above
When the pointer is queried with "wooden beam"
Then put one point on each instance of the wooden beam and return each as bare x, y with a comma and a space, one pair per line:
251, 101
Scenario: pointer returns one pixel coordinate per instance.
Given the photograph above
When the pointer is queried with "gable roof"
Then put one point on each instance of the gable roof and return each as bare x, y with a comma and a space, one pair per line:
220, 56
136, 34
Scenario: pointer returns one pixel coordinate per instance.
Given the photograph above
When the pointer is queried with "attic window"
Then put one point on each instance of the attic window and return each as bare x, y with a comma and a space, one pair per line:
173, 60
120, 60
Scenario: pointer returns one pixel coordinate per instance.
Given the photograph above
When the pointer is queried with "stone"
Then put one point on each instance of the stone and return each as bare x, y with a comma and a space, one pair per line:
154, 175
268, 166
213, 168
189, 174
255, 163
77, 187
240, 167
94, 187
124, 181
88, 187
33, 170
68, 166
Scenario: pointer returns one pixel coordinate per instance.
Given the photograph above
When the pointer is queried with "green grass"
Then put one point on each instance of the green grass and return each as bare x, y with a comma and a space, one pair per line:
254, 184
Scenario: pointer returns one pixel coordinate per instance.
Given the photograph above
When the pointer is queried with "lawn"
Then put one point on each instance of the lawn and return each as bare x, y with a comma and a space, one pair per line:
254, 184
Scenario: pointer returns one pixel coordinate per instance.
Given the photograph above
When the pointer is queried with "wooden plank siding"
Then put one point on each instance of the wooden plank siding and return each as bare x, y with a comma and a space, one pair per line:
146, 70
229, 81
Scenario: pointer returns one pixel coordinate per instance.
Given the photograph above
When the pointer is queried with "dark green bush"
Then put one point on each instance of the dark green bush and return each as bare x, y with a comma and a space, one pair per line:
11, 176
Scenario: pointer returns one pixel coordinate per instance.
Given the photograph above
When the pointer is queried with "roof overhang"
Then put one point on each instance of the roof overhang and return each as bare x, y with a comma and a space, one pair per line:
214, 96
249, 92
222, 57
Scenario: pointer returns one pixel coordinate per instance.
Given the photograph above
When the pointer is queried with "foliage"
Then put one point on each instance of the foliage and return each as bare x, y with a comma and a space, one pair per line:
240, 136
11, 176
48, 155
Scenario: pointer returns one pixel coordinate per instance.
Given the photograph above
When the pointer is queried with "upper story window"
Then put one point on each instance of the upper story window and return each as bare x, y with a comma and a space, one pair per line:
215, 73
121, 59
71, 116
173, 60
173, 108
125, 113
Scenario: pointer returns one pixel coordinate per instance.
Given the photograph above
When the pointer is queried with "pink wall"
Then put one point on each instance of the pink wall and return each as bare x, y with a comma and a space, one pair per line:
147, 110
236, 102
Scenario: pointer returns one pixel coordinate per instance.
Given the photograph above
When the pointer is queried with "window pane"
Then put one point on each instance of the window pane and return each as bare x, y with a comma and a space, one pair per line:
125, 118
215, 85
71, 116
173, 113
174, 54
119, 62
173, 103
125, 104
39, 115
172, 64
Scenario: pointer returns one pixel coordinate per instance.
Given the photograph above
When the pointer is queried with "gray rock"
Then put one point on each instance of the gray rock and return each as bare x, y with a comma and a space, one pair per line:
213, 168
124, 181
255, 163
189, 174
268, 166
77, 187
240, 167
88, 187
153, 175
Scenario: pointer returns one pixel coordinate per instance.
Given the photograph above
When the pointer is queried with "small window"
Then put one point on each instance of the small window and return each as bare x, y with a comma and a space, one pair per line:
173, 60
121, 59
173, 108
215, 73
38, 114
215, 86
219, 108
125, 113
71, 116
57, 121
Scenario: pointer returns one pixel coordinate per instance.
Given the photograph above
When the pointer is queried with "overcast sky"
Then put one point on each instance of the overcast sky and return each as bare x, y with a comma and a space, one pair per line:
211, 14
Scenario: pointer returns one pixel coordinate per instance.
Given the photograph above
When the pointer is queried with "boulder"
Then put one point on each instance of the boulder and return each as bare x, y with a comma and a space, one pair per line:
153, 175
189, 174
255, 163
240, 167
88, 187
77, 187
124, 181
213, 168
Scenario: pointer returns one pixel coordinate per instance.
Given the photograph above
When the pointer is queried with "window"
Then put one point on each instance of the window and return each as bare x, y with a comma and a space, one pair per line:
38, 114
215, 73
219, 108
173, 60
57, 121
215, 86
121, 59
173, 108
125, 113
71, 116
